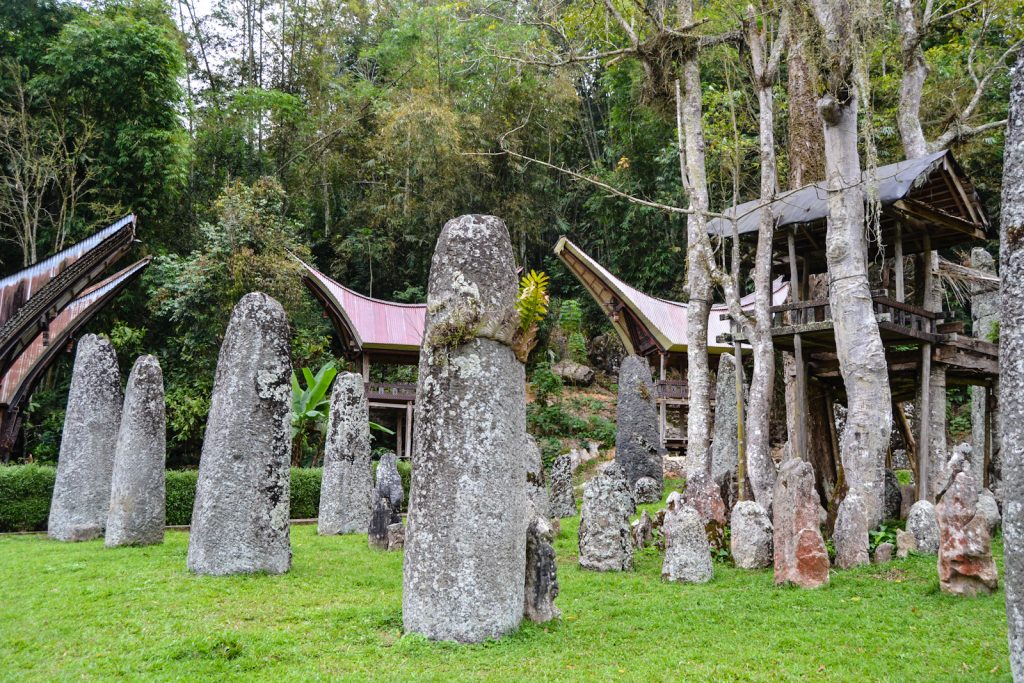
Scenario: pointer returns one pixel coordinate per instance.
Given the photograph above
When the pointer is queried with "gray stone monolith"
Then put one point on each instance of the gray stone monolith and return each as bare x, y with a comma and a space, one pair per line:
921, 523
966, 565
984, 321
562, 502
605, 542
465, 544
724, 453
389, 480
883, 553
892, 497
541, 587
382, 517
138, 510
751, 536
81, 492
687, 553
642, 531
348, 473
851, 533
241, 511
536, 486
638, 448
800, 556
989, 509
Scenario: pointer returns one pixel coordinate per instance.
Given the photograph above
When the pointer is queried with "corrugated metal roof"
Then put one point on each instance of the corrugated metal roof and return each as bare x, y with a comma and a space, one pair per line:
665, 319
809, 204
372, 323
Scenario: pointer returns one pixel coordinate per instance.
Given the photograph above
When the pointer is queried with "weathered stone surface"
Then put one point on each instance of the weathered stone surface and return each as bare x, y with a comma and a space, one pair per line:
465, 545
905, 543
883, 553
642, 531
382, 517
687, 553
799, 550
984, 316
892, 497
604, 538
573, 372
908, 496
638, 448
563, 499
921, 523
674, 467
965, 563
959, 461
348, 473
389, 481
137, 492
396, 536
751, 538
647, 490
240, 516
851, 533
536, 486
81, 492
702, 493
724, 453
541, 587
989, 509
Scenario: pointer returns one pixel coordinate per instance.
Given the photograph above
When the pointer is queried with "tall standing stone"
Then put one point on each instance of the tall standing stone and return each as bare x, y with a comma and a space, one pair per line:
348, 474
563, 499
984, 318
138, 508
81, 492
389, 480
638, 449
687, 553
465, 546
536, 486
541, 573
240, 516
604, 536
800, 554
724, 453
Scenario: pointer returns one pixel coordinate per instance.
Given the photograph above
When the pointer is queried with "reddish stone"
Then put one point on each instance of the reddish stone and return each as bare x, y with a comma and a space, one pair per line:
965, 562
704, 496
800, 554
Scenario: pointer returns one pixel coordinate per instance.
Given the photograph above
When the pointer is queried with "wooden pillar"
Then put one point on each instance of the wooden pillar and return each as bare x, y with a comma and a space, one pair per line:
798, 449
365, 357
662, 402
900, 287
990, 409
925, 420
408, 430
400, 436
741, 437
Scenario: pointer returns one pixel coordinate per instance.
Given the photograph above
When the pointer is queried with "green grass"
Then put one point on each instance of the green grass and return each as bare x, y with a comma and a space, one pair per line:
80, 611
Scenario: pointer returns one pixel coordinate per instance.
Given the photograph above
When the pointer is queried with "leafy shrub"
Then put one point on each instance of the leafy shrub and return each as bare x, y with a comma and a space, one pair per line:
305, 495
885, 533
550, 449
570, 316
577, 345
546, 384
25, 492
181, 495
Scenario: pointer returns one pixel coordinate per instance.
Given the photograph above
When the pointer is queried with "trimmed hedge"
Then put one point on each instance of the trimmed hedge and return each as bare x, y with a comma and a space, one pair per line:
26, 490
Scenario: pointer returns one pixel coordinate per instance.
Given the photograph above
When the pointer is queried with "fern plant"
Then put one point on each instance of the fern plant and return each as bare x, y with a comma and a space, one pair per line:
532, 306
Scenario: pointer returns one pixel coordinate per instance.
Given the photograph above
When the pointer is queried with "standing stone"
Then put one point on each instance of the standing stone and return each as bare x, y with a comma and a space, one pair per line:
563, 498
240, 516
382, 518
81, 492
908, 496
989, 509
921, 523
984, 316
536, 487
389, 480
647, 489
892, 497
541, 587
905, 543
348, 473
965, 562
705, 496
642, 531
883, 553
751, 539
396, 536
800, 554
687, 553
638, 448
851, 533
604, 534
138, 510
724, 453
465, 546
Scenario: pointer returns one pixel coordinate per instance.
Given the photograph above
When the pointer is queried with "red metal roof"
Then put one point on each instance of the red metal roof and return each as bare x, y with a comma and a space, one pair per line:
368, 323
665, 320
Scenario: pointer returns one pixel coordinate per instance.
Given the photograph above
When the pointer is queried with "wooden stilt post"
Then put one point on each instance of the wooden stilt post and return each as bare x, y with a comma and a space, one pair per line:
798, 449
900, 287
741, 437
408, 430
400, 436
662, 402
366, 366
990, 400
925, 420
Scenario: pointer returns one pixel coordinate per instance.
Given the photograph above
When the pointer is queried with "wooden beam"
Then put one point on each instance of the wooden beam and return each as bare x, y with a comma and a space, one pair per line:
900, 286
925, 418
741, 437
408, 430
662, 414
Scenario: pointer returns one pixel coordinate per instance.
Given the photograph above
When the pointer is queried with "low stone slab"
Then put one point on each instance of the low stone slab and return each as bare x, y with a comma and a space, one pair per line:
751, 537
687, 553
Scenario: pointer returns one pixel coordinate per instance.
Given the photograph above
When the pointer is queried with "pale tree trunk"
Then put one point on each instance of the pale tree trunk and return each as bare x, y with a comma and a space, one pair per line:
858, 343
915, 71
1011, 357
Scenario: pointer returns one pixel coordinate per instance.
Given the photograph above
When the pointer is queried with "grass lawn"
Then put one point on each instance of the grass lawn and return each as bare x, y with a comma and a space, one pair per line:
74, 611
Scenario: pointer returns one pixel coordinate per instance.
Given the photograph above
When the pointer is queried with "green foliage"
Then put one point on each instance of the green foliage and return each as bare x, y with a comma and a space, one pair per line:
310, 406
577, 346
25, 493
545, 384
885, 533
305, 492
532, 303
181, 495
993, 332
570, 316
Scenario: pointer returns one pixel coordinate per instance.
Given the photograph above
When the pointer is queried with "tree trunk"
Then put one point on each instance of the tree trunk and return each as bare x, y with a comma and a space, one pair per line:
1011, 356
912, 84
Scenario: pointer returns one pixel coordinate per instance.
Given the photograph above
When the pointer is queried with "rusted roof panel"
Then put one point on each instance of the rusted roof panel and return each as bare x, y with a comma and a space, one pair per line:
372, 324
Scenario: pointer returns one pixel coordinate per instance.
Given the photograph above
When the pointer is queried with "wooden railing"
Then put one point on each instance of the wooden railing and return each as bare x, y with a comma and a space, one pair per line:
671, 388
888, 310
390, 391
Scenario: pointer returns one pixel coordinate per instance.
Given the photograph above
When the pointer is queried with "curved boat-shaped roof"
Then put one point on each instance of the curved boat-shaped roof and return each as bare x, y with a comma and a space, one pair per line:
645, 323
365, 323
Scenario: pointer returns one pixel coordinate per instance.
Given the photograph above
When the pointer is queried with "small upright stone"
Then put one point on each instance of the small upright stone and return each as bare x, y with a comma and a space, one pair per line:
751, 538
382, 518
705, 496
241, 512
989, 509
724, 453
642, 531
389, 480
921, 523
563, 498
396, 536
851, 533
536, 487
541, 573
81, 492
647, 489
348, 472
892, 497
908, 496
905, 543
883, 553
465, 544
604, 538
638, 448
965, 563
800, 554
137, 492
687, 553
